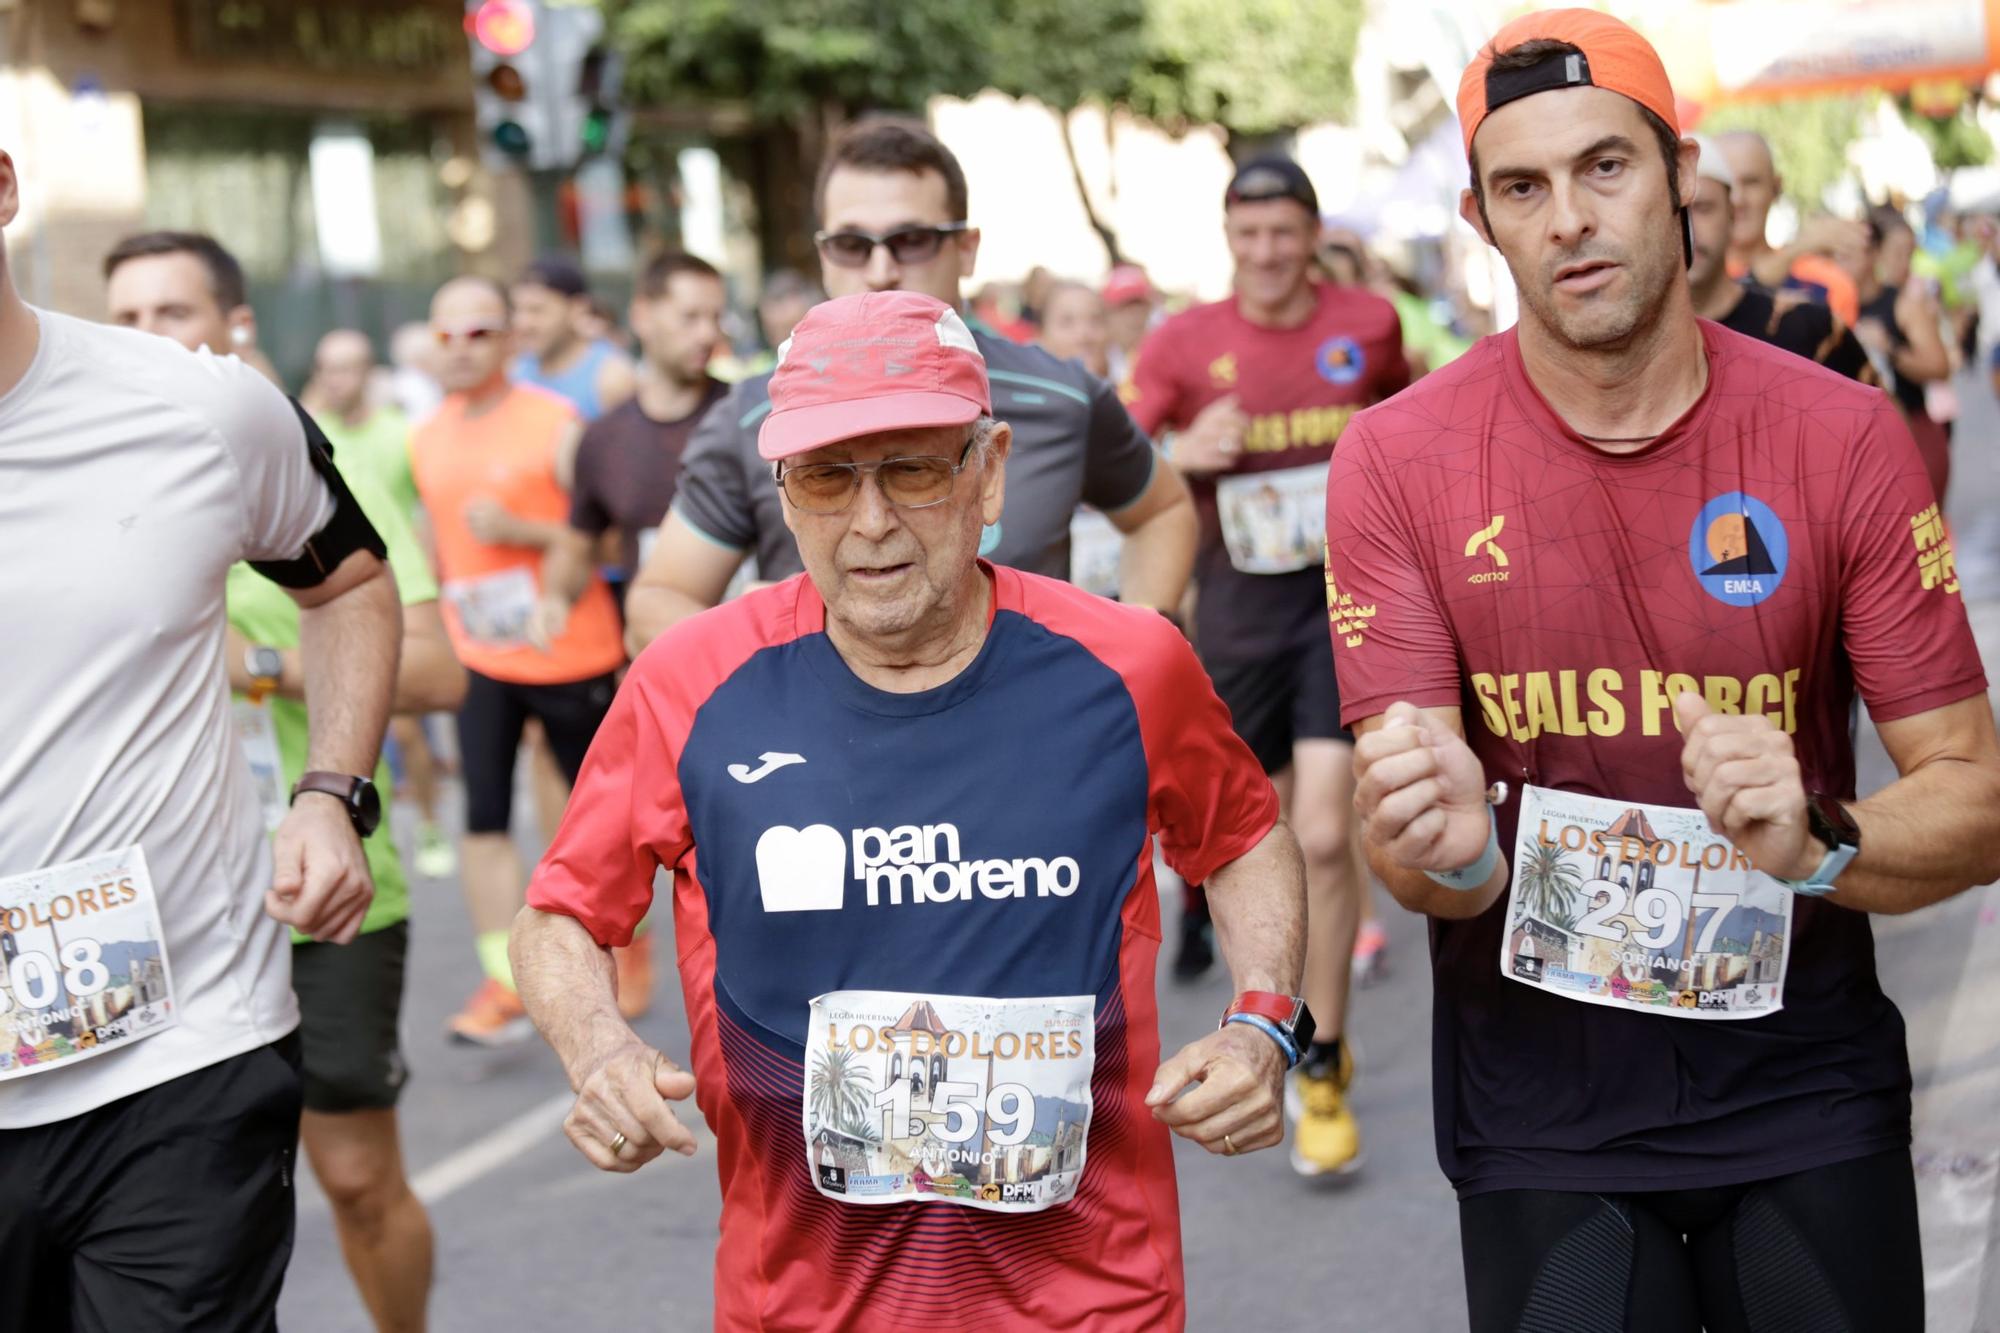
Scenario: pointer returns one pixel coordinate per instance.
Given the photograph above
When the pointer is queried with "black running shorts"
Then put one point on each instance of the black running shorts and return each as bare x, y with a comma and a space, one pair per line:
160, 1212
1830, 1250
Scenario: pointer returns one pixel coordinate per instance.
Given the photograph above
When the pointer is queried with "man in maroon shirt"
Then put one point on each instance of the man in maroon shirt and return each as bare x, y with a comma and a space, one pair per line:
1257, 389
1634, 566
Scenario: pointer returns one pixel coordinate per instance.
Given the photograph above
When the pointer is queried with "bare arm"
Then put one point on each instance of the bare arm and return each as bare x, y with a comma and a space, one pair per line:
1932, 833
1161, 531
1259, 904
1421, 794
1925, 358
685, 575
568, 983
429, 678
1223, 1090
350, 635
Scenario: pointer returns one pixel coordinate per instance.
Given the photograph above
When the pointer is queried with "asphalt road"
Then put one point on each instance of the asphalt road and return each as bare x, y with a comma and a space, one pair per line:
530, 1237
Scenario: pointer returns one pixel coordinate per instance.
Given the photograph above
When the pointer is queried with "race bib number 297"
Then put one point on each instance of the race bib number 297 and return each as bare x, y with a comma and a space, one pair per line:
1642, 907
949, 1098
83, 963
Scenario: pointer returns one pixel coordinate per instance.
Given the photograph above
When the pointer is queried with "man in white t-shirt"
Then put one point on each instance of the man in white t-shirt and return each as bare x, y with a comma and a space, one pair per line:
149, 1083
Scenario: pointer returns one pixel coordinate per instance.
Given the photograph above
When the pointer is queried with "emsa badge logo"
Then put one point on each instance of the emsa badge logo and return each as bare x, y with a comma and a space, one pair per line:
1738, 549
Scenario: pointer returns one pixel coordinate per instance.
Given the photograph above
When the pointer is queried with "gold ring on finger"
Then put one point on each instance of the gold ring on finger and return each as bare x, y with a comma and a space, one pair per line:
1228, 1146
618, 1142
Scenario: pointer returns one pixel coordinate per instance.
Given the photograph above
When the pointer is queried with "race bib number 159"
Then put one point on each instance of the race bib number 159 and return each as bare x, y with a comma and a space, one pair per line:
83, 964
949, 1098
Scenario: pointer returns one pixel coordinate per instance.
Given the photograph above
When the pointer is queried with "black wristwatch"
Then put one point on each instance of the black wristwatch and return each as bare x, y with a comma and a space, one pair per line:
363, 802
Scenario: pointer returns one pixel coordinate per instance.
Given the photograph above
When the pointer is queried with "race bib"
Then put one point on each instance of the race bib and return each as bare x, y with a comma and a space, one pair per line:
84, 968
258, 740
1274, 522
647, 536
1094, 548
949, 1098
494, 610
1642, 907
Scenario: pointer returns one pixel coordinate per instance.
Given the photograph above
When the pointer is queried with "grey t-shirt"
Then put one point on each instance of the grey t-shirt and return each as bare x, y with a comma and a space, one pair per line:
133, 474
1074, 443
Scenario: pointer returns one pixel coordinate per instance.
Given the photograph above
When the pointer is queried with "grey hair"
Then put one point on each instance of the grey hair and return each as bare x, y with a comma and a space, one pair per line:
982, 439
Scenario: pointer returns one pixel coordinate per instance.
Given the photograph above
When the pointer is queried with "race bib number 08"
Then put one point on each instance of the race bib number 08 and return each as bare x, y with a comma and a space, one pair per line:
1642, 907
949, 1098
83, 963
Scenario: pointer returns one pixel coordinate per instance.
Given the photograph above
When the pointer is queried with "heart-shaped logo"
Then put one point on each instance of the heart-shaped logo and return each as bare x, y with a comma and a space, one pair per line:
802, 870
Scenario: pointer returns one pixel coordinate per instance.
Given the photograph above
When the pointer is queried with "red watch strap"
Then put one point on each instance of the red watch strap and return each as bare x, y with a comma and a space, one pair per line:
1280, 1009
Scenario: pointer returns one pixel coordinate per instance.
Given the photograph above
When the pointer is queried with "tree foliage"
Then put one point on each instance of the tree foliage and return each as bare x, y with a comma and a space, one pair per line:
785, 59
1254, 67
1809, 138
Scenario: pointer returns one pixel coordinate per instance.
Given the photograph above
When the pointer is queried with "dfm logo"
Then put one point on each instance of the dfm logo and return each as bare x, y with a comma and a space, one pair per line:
806, 869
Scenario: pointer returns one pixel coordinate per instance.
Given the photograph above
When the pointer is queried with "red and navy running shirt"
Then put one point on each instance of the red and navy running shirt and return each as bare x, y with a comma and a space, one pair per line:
1082, 729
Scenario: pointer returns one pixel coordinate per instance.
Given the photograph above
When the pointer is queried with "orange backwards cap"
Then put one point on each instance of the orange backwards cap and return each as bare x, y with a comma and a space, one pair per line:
1614, 57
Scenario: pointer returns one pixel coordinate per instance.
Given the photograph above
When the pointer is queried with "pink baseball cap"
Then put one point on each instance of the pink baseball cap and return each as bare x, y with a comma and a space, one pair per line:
876, 362
1127, 282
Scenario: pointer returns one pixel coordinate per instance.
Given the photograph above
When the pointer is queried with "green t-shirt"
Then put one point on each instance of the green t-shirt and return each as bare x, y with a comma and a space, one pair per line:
262, 612
378, 449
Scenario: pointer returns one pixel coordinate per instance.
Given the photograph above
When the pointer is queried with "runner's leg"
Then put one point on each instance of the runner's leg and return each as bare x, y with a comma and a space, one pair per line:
385, 1234
1547, 1261
495, 882
1836, 1248
350, 999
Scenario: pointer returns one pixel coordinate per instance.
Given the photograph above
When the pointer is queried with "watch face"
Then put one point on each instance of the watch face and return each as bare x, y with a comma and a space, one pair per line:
1830, 822
267, 663
366, 804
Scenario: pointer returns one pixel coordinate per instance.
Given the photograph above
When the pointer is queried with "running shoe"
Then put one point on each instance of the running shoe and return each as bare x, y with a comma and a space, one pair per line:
493, 1017
1325, 1138
435, 858
1370, 945
635, 976
1197, 949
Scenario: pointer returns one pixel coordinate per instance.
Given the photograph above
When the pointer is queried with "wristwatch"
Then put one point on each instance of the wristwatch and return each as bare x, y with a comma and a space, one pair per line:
1283, 1018
1829, 822
266, 668
363, 802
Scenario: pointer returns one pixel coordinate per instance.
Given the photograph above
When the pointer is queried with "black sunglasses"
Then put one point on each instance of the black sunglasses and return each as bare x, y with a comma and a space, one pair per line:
907, 245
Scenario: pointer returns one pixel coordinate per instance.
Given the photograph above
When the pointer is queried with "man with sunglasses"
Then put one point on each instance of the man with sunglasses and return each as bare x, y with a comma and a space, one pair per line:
911, 798
1258, 389
893, 202
493, 466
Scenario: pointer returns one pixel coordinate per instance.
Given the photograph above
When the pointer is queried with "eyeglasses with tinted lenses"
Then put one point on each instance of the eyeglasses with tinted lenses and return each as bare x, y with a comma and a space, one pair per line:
907, 245
916, 482
476, 333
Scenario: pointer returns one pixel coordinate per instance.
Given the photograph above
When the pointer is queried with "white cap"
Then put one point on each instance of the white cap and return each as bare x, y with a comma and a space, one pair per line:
1713, 165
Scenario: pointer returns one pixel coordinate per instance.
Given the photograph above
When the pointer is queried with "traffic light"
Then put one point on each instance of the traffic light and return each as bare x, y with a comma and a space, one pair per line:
545, 87
502, 33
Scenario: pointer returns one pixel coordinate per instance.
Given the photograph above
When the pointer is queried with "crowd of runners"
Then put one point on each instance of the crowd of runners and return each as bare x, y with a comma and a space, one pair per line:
886, 674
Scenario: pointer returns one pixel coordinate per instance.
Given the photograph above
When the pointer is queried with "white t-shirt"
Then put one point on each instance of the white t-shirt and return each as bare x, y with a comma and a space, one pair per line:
133, 474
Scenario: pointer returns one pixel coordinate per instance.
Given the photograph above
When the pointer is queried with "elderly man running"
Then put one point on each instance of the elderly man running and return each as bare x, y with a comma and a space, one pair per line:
911, 798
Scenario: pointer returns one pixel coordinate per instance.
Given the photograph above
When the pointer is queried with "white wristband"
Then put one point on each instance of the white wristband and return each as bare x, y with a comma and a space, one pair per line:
1467, 878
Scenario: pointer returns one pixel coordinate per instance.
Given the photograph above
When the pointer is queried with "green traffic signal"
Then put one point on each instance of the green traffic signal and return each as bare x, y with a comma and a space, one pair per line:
510, 138
596, 130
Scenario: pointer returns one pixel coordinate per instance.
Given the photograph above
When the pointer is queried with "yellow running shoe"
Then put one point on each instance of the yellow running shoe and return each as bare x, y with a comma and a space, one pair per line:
1325, 1138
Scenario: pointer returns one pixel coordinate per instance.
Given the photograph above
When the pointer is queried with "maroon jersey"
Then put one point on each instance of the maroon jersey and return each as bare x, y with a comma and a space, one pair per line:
1299, 387
1776, 548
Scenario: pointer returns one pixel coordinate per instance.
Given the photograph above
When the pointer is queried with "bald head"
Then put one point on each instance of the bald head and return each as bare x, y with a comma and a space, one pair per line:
1757, 187
341, 365
469, 320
